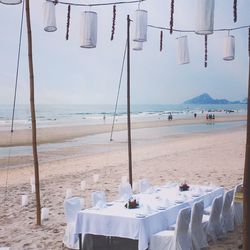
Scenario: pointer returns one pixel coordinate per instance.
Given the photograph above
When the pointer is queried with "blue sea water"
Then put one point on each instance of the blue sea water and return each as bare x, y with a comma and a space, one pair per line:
93, 114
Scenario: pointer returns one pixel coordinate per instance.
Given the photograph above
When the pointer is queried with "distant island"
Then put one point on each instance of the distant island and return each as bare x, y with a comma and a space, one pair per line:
207, 99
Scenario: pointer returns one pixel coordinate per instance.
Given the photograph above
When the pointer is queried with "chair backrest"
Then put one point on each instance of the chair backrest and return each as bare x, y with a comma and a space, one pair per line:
196, 215
125, 191
237, 189
144, 185
216, 210
71, 207
97, 197
227, 201
182, 223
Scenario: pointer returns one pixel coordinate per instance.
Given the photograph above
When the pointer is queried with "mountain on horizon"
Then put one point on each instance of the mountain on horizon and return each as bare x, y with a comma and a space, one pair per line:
207, 99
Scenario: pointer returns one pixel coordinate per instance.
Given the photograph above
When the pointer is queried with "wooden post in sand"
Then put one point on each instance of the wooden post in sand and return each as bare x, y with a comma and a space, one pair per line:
128, 104
33, 115
246, 182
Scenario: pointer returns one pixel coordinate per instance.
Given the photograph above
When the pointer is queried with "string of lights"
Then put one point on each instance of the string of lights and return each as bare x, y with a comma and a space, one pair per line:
95, 4
193, 31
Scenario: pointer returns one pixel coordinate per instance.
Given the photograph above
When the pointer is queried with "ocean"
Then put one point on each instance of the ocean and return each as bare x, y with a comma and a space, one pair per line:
51, 115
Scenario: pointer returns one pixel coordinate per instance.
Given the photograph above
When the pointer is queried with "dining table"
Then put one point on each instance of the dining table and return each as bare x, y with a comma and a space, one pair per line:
157, 209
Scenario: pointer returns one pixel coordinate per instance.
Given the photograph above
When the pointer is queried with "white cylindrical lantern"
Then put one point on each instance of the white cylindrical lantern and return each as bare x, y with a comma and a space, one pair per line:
49, 16
141, 22
32, 180
96, 178
11, 2
33, 188
182, 50
204, 17
88, 29
82, 202
44, 213
138, 46
24, 200
83, 185
68, 193
229, 48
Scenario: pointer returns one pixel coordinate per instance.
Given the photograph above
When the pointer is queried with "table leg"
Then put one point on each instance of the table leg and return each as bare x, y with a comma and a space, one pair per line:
80, 241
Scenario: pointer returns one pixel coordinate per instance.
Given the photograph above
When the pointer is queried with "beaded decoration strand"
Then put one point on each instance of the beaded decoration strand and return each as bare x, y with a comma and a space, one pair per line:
68, 22
113, 23
249, 42
235, 11
172, 17
161, 40
205, 51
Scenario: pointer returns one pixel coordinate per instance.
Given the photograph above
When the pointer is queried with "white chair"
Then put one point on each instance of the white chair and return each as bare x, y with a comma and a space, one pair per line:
211, 223
143, 185
125, 191
227, 219
179, 239
98, 198
199, 239
238, 208
71, 207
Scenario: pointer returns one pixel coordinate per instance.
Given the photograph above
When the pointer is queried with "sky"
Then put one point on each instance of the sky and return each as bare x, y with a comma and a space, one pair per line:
67, 74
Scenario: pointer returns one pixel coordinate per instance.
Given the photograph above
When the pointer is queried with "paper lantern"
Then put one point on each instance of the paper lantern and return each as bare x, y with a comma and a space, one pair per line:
182, 49
83, 185
96, 178
138, 46
88, 29
24, 200
11, 2
44, 214
33, 188
229, 48
49, 11
141, 22
68, 193
204, 17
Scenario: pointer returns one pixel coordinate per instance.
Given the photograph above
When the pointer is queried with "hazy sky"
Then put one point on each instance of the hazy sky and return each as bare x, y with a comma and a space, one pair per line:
68, 74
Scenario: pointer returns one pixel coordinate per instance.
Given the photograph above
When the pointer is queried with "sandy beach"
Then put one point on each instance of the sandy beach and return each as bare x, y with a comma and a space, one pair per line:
210, 157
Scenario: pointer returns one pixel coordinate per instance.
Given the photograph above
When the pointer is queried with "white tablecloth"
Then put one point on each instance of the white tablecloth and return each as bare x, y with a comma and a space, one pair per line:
118, 221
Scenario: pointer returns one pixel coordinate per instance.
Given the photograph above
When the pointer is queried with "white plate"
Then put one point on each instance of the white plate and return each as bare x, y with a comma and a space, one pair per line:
179, 201
195, 195
161, 208
109, 204
140, 215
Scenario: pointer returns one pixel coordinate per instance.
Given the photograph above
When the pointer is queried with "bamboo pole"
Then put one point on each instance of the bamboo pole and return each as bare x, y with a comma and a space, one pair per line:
128, 104
33, 115
246, 184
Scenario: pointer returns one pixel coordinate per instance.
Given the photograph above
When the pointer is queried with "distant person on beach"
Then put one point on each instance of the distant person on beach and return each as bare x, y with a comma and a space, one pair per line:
170, 117
104, 118
195, 115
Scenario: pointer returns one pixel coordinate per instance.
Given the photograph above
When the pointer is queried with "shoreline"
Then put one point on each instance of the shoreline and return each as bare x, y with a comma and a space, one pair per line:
23, 137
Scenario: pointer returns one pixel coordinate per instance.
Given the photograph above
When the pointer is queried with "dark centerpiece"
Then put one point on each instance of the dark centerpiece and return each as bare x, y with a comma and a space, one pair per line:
132, 204
184, 187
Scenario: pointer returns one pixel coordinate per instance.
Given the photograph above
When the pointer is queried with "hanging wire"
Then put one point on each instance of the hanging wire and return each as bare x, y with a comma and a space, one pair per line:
118, 92
205, 64
17, 69
113, 23
161, 40
68, 22
235, 11
193, 31
171, 17
95, 4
